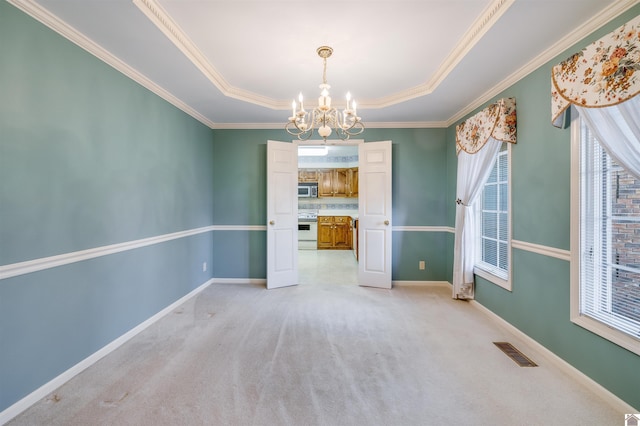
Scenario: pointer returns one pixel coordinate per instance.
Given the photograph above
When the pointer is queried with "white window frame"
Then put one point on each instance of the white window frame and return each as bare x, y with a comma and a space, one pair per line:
601, 329
497, 276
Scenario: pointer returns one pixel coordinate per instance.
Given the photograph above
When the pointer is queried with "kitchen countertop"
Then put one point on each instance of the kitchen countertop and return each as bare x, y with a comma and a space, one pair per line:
351, 213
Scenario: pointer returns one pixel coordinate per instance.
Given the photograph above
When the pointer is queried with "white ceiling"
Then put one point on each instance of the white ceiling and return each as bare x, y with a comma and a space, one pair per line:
408, 63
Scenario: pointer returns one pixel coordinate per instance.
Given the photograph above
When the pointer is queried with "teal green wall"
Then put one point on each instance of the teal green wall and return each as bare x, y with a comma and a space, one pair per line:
539, 303
89, 158
419, 199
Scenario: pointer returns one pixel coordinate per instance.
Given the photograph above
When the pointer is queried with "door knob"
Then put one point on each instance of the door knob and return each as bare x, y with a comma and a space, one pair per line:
386, 222
272, 222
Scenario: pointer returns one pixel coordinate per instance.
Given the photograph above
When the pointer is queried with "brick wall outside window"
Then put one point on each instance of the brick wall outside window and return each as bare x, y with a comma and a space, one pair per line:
625, 241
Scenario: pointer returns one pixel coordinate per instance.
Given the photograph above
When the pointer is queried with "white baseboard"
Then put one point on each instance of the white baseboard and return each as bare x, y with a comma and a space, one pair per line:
421, 284
60, 380
262, 281
569, 369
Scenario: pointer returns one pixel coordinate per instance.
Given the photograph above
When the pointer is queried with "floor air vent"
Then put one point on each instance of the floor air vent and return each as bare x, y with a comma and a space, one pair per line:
515, 354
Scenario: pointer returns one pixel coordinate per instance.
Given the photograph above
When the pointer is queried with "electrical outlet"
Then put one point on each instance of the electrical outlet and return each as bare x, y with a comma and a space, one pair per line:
204, 266
421, 265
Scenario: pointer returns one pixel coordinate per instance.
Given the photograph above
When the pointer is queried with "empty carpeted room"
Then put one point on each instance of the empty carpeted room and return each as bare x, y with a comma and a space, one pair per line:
482, 265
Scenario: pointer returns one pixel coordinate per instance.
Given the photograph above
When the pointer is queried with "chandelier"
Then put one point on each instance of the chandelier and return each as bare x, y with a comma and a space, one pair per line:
346, 123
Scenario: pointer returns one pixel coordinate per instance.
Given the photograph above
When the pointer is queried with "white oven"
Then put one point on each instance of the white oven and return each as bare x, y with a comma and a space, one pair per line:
307, 234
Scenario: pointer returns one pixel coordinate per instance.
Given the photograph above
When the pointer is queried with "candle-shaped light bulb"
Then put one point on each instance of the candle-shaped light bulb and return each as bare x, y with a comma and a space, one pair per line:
324, 100
348, 99
300, 99
353, 105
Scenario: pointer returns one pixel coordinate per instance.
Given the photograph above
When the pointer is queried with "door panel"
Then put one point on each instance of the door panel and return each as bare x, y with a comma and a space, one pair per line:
282, 214
374, 225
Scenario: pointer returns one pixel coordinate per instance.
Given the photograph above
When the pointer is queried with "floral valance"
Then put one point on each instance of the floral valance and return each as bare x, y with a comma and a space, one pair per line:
602, 74
498, 121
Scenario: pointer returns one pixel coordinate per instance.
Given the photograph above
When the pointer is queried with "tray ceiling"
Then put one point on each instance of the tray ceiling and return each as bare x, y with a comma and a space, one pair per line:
408, 63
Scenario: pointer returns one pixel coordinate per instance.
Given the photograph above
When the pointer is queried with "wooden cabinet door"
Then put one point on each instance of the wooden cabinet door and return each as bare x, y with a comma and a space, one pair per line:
352, 183
340, 182
325, 232
325, 183
342, 232
307, 175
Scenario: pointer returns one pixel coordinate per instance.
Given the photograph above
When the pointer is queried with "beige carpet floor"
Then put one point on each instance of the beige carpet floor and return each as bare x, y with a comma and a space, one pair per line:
326, 352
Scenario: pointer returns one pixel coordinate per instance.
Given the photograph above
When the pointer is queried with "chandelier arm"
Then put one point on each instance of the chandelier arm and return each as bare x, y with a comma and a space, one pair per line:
305, 135
298, 130
355, 122
358, 126
342, 134
302, 135
287, 127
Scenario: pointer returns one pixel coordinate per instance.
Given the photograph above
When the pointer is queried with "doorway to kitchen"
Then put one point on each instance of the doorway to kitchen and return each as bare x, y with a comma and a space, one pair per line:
374, 221
327, 213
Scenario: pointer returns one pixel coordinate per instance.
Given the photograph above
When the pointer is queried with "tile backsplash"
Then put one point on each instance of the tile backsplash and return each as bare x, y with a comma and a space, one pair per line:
328, 161
328, 204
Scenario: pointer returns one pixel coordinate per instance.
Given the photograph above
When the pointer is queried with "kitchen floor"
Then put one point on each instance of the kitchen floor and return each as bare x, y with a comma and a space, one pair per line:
327, 266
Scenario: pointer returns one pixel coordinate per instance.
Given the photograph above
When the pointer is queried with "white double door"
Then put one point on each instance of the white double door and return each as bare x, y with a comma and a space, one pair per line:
374, 214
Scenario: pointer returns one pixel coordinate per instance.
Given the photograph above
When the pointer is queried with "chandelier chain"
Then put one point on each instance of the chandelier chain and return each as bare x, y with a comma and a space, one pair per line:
324, 71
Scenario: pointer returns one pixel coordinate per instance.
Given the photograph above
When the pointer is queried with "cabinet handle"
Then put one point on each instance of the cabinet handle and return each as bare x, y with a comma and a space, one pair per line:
272, 222
386, 222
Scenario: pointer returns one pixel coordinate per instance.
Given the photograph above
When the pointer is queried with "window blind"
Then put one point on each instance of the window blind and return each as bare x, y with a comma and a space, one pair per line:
609, 239
493, 247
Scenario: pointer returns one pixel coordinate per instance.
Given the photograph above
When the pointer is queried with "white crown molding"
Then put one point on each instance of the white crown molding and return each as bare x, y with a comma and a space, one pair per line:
161, 19
484, 22
407, 125
494, 11
604, 16
41, 14
489, 16
369, 125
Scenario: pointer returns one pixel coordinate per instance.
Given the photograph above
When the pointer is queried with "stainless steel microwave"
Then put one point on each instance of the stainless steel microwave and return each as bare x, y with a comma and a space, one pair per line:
307, 190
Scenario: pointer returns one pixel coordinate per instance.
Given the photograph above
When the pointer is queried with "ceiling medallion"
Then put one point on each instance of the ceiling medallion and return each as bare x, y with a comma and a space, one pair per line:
346, 123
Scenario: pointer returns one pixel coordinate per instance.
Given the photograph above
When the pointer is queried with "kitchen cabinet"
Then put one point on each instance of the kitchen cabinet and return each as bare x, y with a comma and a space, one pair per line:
307, 175
334, 232
352, 182
338, 182
332, 183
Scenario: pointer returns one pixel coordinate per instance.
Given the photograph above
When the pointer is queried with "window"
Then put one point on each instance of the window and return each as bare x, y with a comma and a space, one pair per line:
493, 240
606, 297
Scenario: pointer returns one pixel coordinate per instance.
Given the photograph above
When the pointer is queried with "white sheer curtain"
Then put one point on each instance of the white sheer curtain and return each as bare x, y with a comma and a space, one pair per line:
617, 128
473, 172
